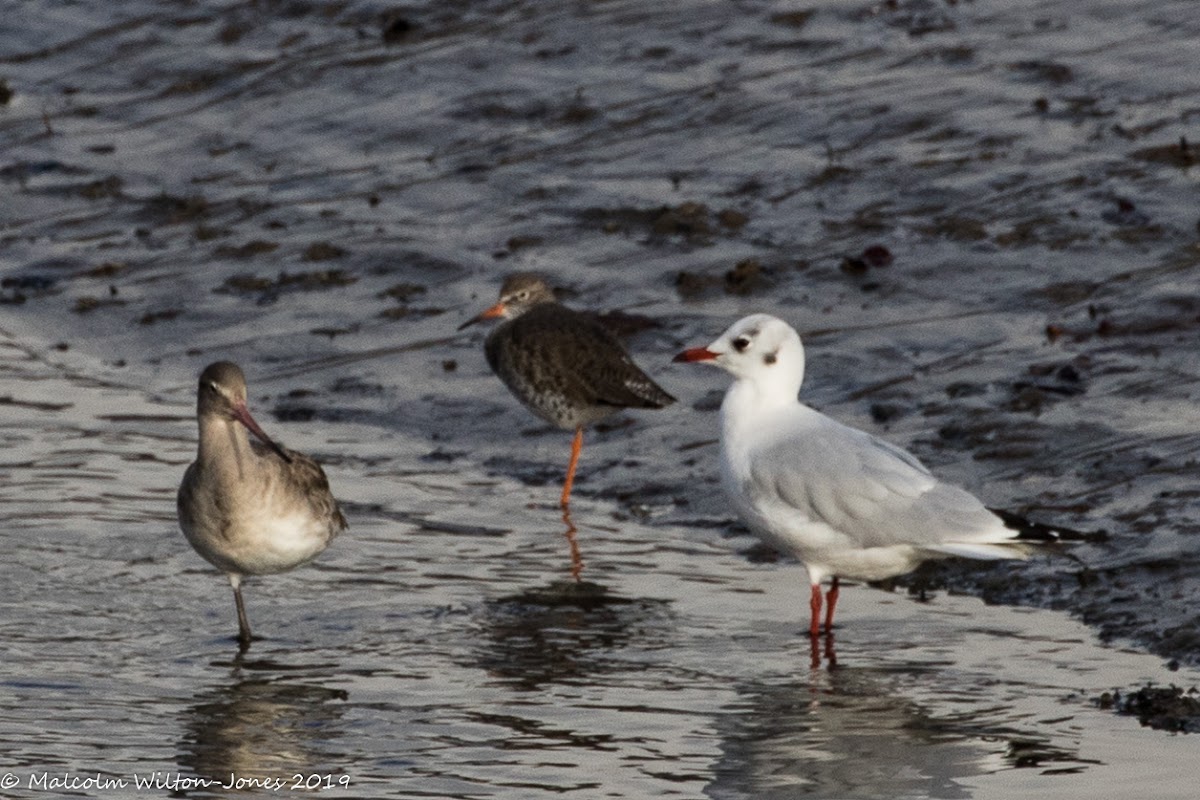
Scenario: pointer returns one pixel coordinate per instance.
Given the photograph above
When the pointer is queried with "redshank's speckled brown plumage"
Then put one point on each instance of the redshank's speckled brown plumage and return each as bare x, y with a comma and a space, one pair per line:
250, 507
564, 366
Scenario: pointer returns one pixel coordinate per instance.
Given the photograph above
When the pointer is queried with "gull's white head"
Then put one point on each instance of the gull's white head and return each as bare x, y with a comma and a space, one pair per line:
760, 349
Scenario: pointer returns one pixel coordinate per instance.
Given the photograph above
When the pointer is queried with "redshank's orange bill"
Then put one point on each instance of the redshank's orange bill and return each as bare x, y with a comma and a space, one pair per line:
492, 312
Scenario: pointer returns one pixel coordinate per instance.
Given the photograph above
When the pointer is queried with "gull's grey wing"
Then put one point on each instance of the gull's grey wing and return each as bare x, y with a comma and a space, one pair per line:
874, 493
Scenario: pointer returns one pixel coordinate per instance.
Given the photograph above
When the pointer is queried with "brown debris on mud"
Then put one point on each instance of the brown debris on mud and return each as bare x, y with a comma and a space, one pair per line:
1164, 708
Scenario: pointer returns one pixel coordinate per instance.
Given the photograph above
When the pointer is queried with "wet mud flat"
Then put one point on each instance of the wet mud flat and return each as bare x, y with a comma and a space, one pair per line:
434, 653
981, 219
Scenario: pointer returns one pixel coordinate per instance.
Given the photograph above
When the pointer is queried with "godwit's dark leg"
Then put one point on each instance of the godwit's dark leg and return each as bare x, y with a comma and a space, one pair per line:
243, 622
815, 603
830, 603
576, 447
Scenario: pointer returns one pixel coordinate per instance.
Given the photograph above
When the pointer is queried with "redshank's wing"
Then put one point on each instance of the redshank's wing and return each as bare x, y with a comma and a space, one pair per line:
573, 354
872, 493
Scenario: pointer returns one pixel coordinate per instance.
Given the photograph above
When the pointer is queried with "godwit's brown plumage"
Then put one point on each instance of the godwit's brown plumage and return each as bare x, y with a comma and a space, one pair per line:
250, 507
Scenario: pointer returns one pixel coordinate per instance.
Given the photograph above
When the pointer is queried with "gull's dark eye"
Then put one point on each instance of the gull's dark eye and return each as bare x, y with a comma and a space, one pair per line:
741, 343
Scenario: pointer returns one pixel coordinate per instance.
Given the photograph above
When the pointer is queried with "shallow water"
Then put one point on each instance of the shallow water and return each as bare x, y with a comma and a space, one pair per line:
324, 191
433, 653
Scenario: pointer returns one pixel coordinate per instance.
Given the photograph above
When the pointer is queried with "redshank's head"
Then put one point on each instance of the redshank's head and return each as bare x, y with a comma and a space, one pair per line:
222, 394
520, 292
759, 348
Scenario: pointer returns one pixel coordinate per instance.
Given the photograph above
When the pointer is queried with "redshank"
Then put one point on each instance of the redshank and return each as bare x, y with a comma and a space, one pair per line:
250, 507
847, 504
563, 365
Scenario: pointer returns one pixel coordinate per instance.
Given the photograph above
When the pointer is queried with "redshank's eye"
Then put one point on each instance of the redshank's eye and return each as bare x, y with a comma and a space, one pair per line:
741, 343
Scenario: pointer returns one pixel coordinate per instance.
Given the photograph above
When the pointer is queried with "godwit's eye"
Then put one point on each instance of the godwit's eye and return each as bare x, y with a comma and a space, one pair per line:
741, 343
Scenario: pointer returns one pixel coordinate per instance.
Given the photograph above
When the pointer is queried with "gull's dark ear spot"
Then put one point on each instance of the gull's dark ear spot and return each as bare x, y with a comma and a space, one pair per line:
771, 357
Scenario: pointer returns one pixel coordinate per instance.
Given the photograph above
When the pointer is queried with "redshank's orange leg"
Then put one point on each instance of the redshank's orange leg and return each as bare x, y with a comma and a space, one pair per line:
576, 447
830, 603
576, 559
815, 604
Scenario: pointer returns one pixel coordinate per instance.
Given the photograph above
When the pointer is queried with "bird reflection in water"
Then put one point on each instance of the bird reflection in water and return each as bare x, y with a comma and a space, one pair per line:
573, 543
258, 727
846, 732
563, 631
817, 653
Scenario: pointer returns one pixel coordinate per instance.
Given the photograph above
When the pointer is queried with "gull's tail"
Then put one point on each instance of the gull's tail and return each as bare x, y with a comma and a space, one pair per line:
1035, 533
1031, 538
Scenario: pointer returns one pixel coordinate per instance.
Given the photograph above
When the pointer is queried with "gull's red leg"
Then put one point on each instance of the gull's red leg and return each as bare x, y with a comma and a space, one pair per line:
815, 603
830, 603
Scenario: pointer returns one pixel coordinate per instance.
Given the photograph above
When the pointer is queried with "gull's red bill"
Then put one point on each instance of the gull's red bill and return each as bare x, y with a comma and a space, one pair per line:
696, 354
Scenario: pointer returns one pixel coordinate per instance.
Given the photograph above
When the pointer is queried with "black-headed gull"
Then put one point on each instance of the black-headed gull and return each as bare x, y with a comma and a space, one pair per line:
847, 504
